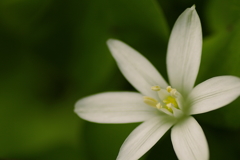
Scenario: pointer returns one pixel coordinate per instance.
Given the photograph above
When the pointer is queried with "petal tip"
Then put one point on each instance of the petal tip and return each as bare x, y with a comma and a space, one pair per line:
193, 7
111, 41
77, 107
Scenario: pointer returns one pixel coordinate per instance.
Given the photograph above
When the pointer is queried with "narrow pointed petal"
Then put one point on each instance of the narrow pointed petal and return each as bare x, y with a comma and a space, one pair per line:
189, 141
114, 107
144, 137
184, 51
136, 68
213, 94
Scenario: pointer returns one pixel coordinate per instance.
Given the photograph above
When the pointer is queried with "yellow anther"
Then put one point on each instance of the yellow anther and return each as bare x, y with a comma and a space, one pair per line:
169, 88
155, 88
173, 92
165, 101
169, 107
159, 106
150, 101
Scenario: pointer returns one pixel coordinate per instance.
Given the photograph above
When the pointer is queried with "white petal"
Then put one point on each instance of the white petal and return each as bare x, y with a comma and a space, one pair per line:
144, 137
189, 141
213, 94
136, 68
184, 51
114, 107
177, 112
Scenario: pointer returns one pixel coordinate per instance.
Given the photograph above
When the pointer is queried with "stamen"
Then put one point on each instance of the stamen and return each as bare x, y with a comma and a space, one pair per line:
159, 106
174, 92
165, 101
170, 100
169, 88
150, 101
169, 107
155, 88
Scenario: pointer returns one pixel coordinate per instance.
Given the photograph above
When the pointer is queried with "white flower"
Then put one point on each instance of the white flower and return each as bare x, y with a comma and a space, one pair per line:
158, 105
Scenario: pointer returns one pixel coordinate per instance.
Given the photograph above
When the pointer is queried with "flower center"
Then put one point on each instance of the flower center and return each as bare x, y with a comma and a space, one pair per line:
169, 102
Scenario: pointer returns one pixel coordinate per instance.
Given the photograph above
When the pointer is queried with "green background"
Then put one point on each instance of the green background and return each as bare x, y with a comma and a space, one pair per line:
53, 52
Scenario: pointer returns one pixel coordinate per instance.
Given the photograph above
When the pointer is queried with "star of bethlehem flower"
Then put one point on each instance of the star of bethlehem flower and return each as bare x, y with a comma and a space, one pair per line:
159, 105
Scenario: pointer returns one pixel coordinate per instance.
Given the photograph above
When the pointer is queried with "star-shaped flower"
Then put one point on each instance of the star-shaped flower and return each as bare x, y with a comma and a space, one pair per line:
158, 105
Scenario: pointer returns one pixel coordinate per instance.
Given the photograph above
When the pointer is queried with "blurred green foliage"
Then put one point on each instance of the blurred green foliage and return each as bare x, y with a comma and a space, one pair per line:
54, 52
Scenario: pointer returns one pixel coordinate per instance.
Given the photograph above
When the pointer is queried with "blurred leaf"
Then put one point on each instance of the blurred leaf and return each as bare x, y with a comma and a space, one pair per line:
31, 125
223, 144
222, 15
104, 141
137, 22
20, 15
